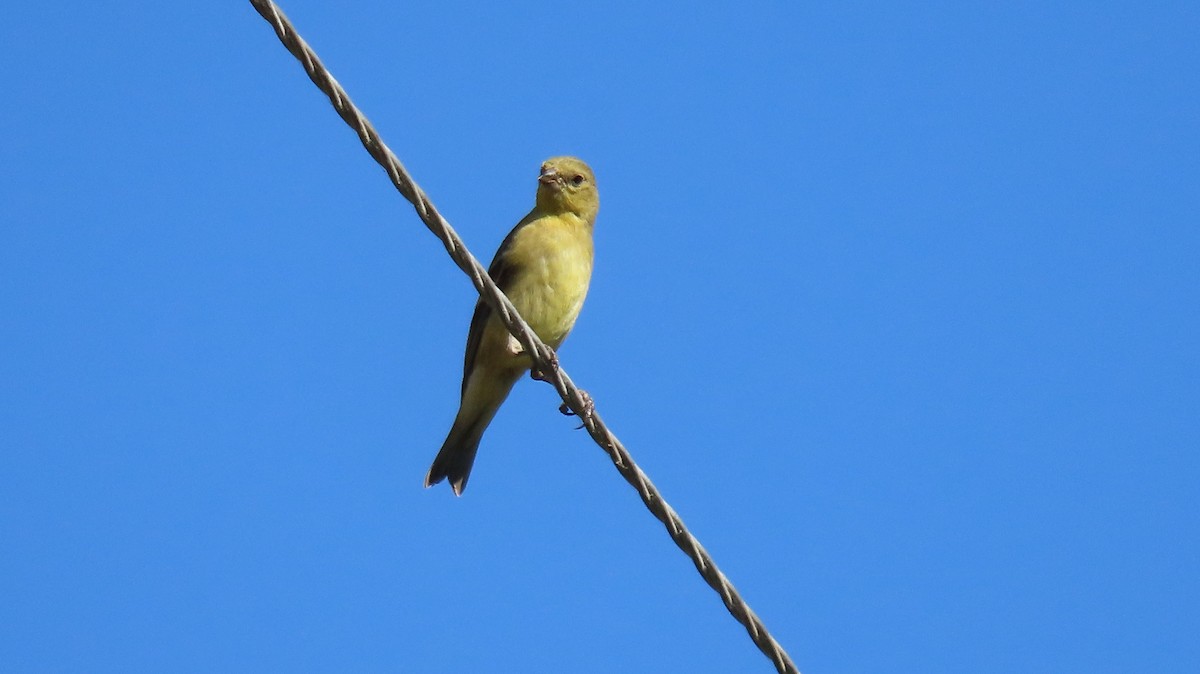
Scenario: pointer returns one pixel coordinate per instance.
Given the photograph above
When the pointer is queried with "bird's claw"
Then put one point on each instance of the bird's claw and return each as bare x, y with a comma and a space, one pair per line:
589, 408
538, 375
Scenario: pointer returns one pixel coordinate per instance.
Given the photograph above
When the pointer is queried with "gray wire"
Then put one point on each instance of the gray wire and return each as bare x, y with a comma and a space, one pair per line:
543, 356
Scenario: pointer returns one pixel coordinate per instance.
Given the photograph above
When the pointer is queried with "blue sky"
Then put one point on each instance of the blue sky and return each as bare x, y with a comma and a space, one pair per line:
897, 303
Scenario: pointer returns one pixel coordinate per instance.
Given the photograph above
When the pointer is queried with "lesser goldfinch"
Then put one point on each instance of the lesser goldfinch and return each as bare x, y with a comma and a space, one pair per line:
544, 266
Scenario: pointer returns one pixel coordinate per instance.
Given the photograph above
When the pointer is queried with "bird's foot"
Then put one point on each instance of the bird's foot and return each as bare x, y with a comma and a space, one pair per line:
537, 375
589, 408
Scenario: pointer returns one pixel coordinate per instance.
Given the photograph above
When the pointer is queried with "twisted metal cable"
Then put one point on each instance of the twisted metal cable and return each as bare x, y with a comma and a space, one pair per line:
543, 356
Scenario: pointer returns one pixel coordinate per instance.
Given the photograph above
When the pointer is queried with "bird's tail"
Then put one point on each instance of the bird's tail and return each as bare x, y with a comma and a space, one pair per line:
457, 455
482, 397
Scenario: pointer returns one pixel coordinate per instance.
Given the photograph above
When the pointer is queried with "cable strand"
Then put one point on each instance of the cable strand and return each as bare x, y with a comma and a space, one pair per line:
542, 356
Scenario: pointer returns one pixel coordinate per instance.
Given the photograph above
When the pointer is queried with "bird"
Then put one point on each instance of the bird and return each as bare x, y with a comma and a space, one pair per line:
544, 266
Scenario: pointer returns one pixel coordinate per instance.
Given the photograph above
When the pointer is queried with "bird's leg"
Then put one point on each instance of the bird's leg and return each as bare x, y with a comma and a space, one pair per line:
538, 375
516, 350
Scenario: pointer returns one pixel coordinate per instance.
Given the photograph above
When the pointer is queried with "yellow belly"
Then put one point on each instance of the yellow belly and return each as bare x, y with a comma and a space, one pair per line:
556, 261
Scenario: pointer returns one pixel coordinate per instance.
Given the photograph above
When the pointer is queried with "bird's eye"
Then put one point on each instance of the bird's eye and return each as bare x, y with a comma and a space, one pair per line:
576, 180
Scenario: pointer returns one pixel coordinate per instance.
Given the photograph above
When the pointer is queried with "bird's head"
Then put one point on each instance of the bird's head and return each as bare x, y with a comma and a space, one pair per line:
567, 185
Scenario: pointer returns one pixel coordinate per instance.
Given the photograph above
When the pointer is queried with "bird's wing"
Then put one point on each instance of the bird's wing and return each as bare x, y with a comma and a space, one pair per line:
503, 271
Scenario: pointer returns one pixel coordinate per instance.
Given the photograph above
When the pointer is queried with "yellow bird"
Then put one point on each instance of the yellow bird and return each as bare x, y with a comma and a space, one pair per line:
544, 266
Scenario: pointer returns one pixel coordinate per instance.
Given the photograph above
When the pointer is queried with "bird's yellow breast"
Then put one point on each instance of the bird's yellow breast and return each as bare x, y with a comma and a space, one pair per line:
554, 254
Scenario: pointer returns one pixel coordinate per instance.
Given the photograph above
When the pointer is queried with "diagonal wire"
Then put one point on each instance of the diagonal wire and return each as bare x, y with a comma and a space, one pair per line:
543, 356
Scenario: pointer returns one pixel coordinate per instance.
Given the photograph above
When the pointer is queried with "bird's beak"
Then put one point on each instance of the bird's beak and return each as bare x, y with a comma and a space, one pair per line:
548, 177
